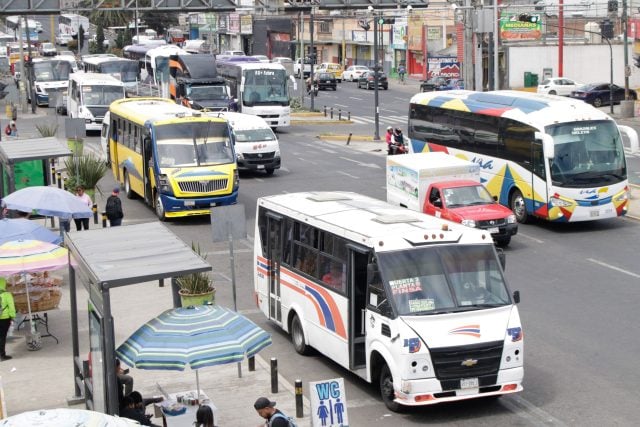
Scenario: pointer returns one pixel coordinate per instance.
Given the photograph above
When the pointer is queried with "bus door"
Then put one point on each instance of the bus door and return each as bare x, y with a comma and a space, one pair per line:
147, 167
113, 147
274, 255
357, 284
538, 163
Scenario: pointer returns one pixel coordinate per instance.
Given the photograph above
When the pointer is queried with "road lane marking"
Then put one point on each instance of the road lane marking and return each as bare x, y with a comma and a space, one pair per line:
368, 165
356, 98
530, 237
342, 105
613, 267
348, 174
327, 150
529, 411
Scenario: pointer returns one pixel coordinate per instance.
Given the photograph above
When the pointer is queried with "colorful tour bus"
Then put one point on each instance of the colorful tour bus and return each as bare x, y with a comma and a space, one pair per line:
177, 160
414, 303
546, 156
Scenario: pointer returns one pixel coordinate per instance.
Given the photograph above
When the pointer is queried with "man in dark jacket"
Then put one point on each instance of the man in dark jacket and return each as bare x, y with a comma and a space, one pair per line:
113, 209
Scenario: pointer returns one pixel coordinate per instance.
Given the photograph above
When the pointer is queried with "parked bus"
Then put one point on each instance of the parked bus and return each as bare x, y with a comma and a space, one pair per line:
70, 23
50, 75
14, 23
414, 303
259, 88
553, 158
180, 162
125, 70
89, 96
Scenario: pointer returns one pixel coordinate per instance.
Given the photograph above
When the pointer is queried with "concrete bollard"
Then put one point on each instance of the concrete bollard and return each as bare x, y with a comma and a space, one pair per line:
349, 115
94, 208
339, 114
324, 107
299, 404
349, 138
331, 112
59, 175
252, 364
274, 375
53, 174
104, 219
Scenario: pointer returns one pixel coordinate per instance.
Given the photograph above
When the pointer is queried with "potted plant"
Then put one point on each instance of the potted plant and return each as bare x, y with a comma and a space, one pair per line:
86, 171
196, 288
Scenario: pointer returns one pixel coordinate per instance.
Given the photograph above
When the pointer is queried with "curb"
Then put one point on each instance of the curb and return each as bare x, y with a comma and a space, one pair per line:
354, 138
321, 122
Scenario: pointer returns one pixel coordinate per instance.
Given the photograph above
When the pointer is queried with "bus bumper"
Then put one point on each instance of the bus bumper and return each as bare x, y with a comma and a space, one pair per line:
257, 164
176, 208
429, 391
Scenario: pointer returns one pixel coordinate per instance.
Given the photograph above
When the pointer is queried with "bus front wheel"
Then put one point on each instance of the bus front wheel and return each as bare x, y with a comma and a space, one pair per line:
127, 186
160, 209
386, 389
518, 207
297, 336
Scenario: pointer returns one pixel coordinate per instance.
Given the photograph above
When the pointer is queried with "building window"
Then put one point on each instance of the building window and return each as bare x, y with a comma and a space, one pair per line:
324, 27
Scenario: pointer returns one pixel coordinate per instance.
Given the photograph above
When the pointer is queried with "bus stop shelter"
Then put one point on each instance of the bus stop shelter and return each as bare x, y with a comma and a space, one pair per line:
25, 162
106, 258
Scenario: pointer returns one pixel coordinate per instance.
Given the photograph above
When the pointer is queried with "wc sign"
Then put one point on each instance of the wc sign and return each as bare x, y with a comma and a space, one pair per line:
328, 403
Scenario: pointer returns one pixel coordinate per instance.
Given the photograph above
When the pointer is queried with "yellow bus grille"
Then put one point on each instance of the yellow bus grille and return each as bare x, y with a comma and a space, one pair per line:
208, 186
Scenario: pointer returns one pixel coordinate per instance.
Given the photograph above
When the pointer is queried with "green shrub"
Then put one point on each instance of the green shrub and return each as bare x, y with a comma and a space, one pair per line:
85, 170
47, 130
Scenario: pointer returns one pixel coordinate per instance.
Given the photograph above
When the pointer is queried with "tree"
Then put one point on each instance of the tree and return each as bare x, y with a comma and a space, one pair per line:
100, 38
80, 38
128, 37
120, 40
159, 21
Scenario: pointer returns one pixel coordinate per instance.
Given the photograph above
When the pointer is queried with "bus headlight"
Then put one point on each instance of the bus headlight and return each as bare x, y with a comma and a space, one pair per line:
469, 222
511, 219
560, 203
621, 197
163, 182
236, 180
240, 156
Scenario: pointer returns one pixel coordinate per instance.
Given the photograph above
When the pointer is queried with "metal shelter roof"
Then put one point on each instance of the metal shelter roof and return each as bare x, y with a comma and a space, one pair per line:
120, 256
20, 150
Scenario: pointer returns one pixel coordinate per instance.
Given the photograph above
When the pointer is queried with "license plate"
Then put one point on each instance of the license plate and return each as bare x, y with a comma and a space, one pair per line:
493, 230
594, 214
260, 166
469, 383
189, 202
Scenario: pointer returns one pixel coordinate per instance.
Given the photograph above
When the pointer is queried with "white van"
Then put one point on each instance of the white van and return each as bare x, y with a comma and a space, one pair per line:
256, 145
104, 138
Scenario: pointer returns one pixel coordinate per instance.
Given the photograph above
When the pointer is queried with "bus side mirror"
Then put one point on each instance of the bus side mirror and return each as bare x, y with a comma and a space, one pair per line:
516, 297
502, 258
373, 275
547, 144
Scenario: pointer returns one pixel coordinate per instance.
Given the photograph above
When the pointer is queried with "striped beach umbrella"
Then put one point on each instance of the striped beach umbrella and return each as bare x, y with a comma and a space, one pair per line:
198, 336
30, 256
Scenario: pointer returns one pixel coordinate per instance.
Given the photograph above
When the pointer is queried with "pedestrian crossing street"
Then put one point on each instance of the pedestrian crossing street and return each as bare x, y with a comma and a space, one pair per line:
384, 119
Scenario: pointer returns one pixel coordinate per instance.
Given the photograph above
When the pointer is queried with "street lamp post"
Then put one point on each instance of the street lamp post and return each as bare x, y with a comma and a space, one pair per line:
376, 70
611, 73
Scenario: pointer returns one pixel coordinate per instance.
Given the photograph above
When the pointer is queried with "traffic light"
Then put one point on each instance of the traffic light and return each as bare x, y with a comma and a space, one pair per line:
389, 21
606, 29
526, 17
612, 6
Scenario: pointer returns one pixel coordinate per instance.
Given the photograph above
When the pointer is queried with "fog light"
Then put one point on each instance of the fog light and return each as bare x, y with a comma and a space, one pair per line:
509, 387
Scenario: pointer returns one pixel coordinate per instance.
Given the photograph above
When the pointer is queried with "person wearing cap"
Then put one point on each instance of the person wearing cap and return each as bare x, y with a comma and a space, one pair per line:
7, 314
113, 208
267, 410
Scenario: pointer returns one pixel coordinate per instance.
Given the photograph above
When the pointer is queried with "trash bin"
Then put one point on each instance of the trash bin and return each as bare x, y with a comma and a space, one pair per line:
527, 79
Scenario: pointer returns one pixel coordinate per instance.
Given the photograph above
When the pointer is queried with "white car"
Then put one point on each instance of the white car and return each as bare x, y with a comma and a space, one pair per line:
233, 53
354, 72
48, 49
261, 58
558, 86
63, 39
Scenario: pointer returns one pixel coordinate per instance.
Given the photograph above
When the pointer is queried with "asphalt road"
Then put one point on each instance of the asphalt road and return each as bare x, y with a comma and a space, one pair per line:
579, 286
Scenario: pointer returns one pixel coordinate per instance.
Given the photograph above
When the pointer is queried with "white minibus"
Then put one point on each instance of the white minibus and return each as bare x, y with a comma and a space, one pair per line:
90, 95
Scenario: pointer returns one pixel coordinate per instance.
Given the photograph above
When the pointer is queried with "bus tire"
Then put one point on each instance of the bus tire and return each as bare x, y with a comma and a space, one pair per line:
159, 208
269, 171
297, 336
127, 186
517, 205
503, 241
387, 392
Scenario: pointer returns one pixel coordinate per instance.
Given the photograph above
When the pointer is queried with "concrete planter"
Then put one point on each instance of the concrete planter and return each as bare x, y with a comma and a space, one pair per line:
626, 109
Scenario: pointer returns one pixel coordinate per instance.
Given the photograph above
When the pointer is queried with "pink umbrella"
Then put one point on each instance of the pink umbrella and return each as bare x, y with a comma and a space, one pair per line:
29, 256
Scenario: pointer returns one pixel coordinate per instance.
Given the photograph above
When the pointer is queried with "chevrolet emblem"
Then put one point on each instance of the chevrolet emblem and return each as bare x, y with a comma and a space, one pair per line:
469, 363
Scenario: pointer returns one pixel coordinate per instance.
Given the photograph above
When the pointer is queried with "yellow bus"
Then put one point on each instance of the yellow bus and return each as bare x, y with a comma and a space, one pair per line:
177, 160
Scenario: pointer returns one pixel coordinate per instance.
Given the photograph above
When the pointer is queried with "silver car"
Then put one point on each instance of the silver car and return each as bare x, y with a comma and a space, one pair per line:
558, 86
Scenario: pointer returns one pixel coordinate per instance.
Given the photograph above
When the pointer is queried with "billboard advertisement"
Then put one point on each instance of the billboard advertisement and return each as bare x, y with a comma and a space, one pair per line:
511, 29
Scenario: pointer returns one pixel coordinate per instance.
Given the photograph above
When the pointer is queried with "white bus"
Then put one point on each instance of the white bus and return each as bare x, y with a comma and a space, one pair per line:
90, 95
15, 22
69, 23
259, 88
125, 70
156, 63
546, 156
408, 301
51, 75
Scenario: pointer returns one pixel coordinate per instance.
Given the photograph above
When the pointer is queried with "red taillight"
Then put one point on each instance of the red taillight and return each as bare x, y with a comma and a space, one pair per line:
509, 387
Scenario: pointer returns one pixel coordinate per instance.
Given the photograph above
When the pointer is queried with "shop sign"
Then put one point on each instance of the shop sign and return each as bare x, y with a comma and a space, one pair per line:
234, 23
246, 24
512, 29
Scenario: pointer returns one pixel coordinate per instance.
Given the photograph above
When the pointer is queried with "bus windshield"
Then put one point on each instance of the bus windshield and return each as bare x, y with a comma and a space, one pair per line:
587, 154
265, 87
101, 95
441, 279
124, 71
193, 144
52, 71
207, 93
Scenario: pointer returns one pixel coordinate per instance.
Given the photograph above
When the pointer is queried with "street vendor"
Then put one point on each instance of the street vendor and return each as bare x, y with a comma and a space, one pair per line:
7, 314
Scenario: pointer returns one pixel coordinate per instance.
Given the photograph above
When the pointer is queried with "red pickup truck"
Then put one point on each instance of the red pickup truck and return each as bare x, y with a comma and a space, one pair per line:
469, 203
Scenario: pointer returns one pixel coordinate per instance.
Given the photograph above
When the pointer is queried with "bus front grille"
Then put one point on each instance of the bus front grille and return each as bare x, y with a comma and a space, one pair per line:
208, 186
467, 361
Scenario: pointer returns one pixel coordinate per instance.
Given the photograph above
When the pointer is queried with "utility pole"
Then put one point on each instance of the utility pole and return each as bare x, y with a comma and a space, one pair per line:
302, 57
468, 73
627, 70
376, 71
496, 46
313, 57
30, 70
